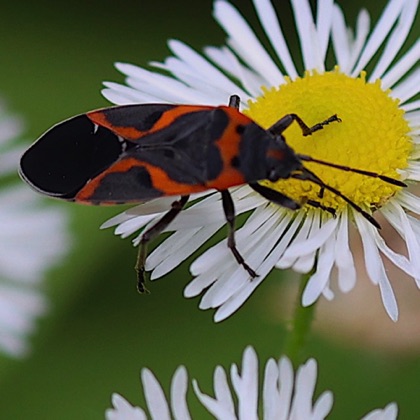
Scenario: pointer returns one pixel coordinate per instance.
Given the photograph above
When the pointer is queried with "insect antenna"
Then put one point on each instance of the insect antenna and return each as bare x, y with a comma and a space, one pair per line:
384, 178
308, 175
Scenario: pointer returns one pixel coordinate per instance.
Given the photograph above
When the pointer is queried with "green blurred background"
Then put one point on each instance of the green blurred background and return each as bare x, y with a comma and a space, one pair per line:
100, 332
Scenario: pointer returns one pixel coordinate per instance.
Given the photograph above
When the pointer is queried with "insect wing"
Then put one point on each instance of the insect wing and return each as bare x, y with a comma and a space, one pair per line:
63, 159
66, 158
132, 122
172, 158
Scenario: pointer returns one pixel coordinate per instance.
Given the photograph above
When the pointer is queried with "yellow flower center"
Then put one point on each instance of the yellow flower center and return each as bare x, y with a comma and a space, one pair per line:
372, 136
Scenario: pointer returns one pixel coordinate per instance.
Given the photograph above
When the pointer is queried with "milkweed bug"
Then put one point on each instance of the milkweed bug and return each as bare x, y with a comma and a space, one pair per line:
134, 153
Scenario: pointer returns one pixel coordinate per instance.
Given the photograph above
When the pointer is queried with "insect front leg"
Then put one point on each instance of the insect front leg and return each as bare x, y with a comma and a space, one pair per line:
152, 233
287, 120
229, 210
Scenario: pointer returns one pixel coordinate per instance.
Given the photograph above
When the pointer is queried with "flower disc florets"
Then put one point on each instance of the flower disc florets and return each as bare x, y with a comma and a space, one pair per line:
373, 135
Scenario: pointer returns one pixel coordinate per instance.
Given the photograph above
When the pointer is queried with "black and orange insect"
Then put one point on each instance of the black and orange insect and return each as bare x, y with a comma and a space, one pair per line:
134, 153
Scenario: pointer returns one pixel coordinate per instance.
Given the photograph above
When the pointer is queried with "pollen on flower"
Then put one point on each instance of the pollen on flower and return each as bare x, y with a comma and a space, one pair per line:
372, 136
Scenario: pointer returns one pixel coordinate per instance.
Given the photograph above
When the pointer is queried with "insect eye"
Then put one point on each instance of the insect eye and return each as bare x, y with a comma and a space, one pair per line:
273, 175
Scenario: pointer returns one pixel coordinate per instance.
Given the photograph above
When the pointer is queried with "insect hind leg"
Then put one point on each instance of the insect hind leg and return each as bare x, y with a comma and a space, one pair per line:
229, 210
152, 233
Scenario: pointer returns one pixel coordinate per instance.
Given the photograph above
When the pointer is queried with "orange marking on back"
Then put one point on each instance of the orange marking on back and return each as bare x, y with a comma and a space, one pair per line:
132, 133
168, 117
229, 144
159, 178
129, 133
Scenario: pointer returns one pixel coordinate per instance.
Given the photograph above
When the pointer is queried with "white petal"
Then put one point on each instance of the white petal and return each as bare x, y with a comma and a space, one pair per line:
413, 171
170, 246
222, 390
375, 267
390, 412
164, 88
324, 20
152, 207
397, 259
411, 105
304, 389
245, 43
413, 118
155, 398
409, 201
270, 394
286, 387
341, 40
133, 225
320, 278
231, 65
343, 256
197, 65
237, 300
361, 34
298, 263
162, 261
290, 234
123, 410
246, 385
124, 95
258, 245
397, 38
401, 67
227, 267
408, 88
211, 211
205, 262
398, 218
179, 388
313, 242
308, 36
379, 33
323, 405
271, 25
219, 410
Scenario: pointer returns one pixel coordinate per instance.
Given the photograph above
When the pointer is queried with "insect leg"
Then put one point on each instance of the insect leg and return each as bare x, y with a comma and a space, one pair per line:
308, 175
287, 120
152, 233
284, 201
318, 205
229, 210
275, 196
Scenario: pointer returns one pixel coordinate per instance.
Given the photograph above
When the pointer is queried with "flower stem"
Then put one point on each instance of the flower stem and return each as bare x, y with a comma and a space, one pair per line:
300, 325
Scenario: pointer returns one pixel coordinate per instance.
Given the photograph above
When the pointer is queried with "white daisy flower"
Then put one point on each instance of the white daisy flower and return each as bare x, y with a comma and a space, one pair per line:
379, 132
155, 399
33, 238
283, 395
